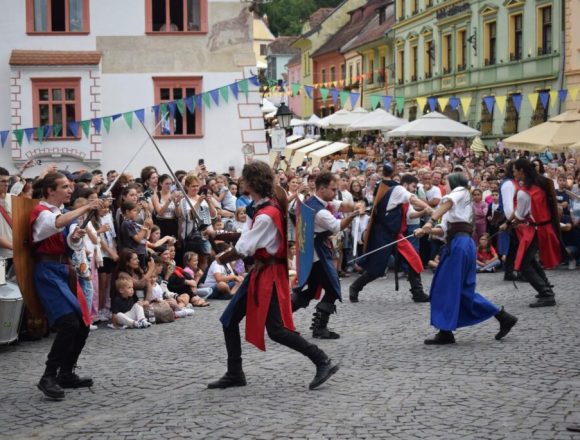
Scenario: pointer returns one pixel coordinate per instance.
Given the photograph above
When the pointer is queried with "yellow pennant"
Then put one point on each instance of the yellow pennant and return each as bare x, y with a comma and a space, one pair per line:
573, 93
553, 98
421, 103
500, 102
465, 103
533, 97
443, 103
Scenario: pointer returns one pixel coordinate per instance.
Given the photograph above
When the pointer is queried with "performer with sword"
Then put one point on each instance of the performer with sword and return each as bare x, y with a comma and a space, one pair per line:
387, 224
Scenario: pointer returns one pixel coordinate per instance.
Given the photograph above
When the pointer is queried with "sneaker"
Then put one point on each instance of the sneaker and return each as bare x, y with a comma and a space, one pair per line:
93, 327
142, 324
189, 306
180, 314
189, 312
572, 264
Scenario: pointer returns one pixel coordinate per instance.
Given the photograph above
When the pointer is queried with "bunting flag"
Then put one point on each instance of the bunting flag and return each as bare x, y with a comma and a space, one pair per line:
489, 102
295, 89
106, 123
308, 90
400, 100
517, 101
375, 101
29, 132
454, 102
73, 127
432, 103
171, 106
3, 136
128, 117
334, 94
573, 93
224, 94
234, 88
140, 115
97, 124
47, 131
19, 135
190, 103
353, 99
562, 94
544, 99
533, 97
156, 110
553, 98
387, 102
443, 103
206, 100
324, 93
255, 81
500, 102
244, 86
215, 95
40, 133
86, 125
56, 129
421, 103
343, 97
180, 106
198, 101
117, 116
465, 104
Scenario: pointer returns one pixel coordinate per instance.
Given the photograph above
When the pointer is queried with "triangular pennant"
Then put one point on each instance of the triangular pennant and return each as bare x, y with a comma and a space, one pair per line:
443, 103
86, 125
198, 101
225, 94
432, 101
500, 102
206, 100
308, 90
562, 94
400, 100
533, 98
375, 100
334, 94
3, 136
295, 89
172, 106
465, 104
97, 124
19, 135
235, 90
190, 103
215, 95
243, 85
47, 131
254, 80
128, 117
29, 132
117, 116
544, 99
324, 93
489, 102
387, 101
73, 127
40, 133
180, 104
56, 129
553, 98
573, 93
454, 103
156, 109
140, 115
517, 101
343, 97
106, 123
421, 103
354, 99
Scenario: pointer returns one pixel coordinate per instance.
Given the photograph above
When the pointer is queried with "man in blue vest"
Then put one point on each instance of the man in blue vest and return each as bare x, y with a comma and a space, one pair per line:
387, 224
323, 273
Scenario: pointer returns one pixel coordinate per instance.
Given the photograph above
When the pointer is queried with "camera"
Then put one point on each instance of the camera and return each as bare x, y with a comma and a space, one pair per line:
37, 162
203, 191
200, 162
142, 198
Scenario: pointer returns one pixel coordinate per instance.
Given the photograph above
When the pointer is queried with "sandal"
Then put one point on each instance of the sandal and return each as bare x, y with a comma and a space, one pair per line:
196, 301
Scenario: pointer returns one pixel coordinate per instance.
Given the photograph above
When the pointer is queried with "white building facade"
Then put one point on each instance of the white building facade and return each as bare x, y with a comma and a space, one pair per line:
64, 61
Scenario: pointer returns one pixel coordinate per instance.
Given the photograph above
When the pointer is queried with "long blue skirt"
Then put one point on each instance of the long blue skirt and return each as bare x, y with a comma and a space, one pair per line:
454, 302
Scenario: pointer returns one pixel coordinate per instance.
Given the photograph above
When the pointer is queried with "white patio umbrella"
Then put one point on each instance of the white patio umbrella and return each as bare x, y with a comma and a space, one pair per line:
378, 119
313, 120
434, 124
268, 107
297, 122
343, 118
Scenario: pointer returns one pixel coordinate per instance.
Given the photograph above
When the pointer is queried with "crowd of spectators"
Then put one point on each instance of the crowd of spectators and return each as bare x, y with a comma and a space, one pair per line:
149, 256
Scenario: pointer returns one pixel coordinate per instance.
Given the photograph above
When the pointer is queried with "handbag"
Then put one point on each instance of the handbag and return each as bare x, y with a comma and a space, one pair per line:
193, 241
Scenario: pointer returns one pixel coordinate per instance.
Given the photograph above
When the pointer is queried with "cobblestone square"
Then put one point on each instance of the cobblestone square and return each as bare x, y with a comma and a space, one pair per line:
151, 384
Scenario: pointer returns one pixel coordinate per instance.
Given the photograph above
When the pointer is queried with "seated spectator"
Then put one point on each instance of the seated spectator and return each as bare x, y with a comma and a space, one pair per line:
222, 278
161, 297
487, 259
155, 239
126, 308
184, 282
129, 267
571, 239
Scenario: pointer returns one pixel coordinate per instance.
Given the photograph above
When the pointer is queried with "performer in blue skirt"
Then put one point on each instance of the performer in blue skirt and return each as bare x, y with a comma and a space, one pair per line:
454, 302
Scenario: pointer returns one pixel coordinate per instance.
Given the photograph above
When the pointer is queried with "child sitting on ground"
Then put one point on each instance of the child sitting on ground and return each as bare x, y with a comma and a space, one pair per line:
487, 259
221, 277
160, 294
126, 308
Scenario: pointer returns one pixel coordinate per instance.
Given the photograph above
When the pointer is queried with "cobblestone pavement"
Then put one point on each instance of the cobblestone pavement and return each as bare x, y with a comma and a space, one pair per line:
151, 384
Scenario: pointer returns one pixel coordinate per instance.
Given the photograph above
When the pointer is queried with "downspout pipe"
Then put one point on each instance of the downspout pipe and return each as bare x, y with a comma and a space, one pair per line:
562, 51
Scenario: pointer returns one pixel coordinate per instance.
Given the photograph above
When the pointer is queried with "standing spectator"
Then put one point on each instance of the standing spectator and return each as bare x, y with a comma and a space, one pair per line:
479, 214
164, 202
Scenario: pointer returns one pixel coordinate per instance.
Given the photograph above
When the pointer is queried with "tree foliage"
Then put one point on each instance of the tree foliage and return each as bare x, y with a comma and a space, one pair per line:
286, 17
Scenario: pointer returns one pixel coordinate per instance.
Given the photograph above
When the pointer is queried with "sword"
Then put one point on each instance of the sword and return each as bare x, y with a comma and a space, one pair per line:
381, 248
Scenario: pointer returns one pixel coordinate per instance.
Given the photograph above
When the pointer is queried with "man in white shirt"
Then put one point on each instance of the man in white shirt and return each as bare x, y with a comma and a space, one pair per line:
5, 218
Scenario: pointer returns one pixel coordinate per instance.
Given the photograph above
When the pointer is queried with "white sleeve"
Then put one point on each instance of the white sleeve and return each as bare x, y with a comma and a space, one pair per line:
325, 221
399, 195
75, 246
256, 237
454, 197
508, 192
524, 205
45, 226
435, 192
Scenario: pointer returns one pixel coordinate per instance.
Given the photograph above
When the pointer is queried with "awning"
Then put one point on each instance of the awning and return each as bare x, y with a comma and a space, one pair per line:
327, 151
436, 125
293, 138
300, 154
296, 145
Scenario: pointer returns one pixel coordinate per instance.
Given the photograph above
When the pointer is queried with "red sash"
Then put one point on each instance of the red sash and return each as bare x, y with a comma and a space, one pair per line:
405, 248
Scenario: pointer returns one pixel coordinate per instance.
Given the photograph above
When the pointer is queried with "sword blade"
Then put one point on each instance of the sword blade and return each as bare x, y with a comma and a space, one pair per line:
382, 247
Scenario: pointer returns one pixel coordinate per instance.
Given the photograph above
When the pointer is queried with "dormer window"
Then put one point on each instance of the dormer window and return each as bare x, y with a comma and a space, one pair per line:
382, 15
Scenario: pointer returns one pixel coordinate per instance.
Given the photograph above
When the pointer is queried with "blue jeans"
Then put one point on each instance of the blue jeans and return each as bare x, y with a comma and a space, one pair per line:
488, 267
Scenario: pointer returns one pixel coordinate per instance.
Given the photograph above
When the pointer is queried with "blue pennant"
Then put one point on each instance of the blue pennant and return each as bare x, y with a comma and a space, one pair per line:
171, 105
97, 124
517, 101
234, 88
3, 136
308, 90
215, 95
432, 103
454, 103
334, 94
562, 95
190, 104
140, 115
74, 127
354, 98
117, 116
387, 101
254, 80
29, 132
156, 110
47, 131
544, 99
199, 101
489, 102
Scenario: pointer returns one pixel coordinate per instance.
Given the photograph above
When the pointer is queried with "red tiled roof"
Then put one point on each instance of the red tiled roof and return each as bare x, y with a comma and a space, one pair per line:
54, 58
373, 31
282, 46
318, 16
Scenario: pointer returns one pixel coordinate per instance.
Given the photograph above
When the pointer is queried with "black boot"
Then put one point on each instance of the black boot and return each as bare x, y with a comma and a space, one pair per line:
358, 285
510, 276
419, 296
324, 370
50, 387
506, 322
298, 299
544, 301
417, 293
441, 338
320, 321
229, 380
73, 380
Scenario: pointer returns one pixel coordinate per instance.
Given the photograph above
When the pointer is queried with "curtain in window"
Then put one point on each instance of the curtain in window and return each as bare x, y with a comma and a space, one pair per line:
75, 8
41, 15
193, 15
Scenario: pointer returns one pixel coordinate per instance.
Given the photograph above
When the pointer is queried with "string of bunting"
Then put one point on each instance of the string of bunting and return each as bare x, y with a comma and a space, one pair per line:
180, 105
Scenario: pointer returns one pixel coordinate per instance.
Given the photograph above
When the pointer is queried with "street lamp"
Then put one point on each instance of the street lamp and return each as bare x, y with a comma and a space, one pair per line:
284, 115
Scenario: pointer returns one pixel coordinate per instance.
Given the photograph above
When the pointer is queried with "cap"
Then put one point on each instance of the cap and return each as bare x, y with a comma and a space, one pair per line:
67, 174
84, 177
388, 170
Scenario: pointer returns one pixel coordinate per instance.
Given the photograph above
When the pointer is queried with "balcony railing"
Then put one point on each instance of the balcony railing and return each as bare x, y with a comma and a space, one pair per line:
544, 50
515, 56
446, 70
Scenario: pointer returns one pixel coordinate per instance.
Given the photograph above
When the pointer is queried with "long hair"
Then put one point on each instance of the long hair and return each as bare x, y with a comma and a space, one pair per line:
457, 179
531, 176
259, 177
509, 170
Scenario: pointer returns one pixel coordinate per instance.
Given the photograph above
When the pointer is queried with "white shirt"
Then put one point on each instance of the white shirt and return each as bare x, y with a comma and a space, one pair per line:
433, 193
346, 196
325, 221
508, 191
202, 212
399, 195
524, 205
45, 226
359, 225
461, 210
412, 221
259, 233
5, 229
214, 268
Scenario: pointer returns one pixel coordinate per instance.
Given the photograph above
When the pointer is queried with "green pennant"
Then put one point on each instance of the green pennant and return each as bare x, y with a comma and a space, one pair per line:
128, 117
18, 134
181, 106
40, 133
56, 128
206, 97
343, 98
107, 123
243, 85
324, 93
86, 125
295, 89
272, 83
400, 103
375, 99
163, 109
224, 92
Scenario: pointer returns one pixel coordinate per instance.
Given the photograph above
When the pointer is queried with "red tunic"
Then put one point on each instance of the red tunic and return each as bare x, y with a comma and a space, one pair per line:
264, 280
539, 222
405, 248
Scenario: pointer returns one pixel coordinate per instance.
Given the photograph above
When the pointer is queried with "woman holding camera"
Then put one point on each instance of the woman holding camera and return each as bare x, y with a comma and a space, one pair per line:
193, 224
165, 203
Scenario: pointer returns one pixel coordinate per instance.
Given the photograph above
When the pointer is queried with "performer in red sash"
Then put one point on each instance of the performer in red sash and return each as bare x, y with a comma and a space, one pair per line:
537, 227
264, 296
65, 308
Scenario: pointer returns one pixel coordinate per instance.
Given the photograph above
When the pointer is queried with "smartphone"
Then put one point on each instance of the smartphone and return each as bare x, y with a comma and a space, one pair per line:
37, 162
173, 188
200, 162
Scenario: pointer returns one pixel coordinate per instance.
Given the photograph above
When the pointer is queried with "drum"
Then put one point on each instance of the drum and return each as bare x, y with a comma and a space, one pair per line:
2, 271
11, 305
